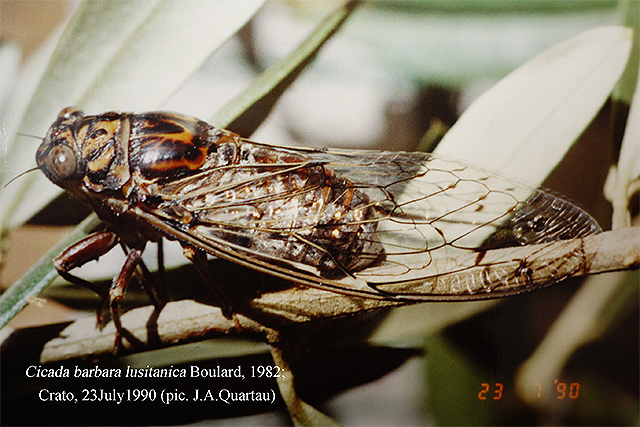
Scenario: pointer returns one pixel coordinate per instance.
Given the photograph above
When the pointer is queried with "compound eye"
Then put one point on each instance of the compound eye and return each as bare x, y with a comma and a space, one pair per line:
62, 161
70, 113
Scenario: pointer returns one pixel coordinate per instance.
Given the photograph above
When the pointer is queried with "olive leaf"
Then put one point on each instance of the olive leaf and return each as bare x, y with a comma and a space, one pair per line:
529, 119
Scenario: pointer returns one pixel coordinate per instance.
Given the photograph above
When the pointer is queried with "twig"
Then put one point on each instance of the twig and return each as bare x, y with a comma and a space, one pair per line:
186, 320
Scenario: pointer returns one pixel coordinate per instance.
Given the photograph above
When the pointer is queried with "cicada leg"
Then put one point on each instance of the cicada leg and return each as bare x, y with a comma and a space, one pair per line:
91, 248
199, 260
116, 292
162, 285
88, 249
156, 291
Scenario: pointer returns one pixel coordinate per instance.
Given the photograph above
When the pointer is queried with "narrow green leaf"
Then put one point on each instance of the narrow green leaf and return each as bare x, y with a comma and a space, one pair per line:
629, 17
40, 274
247, 111
502, 6
454, 381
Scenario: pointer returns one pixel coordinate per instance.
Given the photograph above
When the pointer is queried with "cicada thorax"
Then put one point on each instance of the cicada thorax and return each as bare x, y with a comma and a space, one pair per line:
165, 147
104, 159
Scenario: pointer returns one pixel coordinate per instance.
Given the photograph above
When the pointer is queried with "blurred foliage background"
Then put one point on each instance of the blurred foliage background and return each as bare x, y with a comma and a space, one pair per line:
396, 77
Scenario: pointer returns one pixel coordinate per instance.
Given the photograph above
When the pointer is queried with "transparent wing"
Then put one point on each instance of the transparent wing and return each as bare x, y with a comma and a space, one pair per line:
376, 224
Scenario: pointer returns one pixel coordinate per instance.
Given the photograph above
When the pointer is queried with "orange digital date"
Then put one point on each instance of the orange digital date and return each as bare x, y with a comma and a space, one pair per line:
563, 390
497, 391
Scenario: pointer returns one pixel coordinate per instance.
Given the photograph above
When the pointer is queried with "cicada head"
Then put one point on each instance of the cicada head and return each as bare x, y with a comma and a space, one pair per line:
58, 155
86, 153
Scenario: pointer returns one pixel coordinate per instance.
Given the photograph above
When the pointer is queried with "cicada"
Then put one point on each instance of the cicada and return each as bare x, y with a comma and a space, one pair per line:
376, 224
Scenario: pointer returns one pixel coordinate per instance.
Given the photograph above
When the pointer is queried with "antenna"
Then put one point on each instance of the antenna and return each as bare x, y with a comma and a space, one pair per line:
23, 173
